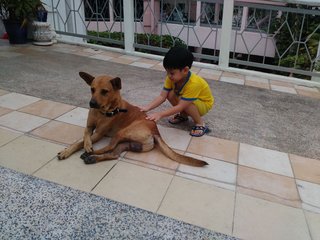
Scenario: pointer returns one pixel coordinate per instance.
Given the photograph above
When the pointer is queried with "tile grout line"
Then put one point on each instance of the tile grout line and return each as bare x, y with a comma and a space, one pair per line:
165, 194
236, 191
117, 161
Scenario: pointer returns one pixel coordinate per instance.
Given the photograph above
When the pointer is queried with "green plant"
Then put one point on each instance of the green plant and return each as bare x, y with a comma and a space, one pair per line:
165, 41
317, 66
298, 43
18, 10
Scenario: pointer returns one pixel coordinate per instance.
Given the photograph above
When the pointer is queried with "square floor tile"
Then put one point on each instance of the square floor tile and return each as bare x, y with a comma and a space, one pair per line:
306, 169
121, 60
101, 57
149, 61
133, 58
313, 220
265, 159
21, 121
7, 136
233, 75
209, 74
281, 83
259, 219
283, 89
308, 93
307, 89
112, 54
215, 148
199, 204
60, 132
4, 111
158, 67
309, 193
141, 64
217, 170
154, 157
232, 80
257, 84
47, 109
77, 116
257, 79
15, 100
27, 154
175, 138
134, 185
73, 172
268, 186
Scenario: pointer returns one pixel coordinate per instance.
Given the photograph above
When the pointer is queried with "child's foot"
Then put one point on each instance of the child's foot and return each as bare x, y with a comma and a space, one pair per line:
178, 118
199, 130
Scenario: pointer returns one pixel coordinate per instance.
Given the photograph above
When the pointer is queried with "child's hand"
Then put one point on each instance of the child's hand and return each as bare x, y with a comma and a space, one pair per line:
143, 108
154, 117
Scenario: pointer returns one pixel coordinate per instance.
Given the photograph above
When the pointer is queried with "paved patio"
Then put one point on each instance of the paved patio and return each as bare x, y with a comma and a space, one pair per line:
262, 182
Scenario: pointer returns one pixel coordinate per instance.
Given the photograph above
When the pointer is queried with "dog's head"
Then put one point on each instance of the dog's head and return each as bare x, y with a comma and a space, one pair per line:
105, 91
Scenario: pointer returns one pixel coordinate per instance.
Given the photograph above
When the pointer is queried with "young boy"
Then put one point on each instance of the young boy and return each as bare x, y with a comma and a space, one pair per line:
188, 93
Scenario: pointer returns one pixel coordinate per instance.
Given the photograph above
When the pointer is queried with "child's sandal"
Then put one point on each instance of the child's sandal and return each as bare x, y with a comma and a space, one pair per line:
178, 118
201, 131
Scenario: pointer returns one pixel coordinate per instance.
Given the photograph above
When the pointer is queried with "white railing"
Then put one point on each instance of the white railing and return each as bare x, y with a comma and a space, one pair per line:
69, 20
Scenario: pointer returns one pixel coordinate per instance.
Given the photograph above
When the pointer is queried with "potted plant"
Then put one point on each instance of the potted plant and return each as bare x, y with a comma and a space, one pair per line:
15, 15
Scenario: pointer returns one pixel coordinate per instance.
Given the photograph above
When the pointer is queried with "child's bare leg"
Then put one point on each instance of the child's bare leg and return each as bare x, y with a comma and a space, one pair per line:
177, 118
199, 129
193, 112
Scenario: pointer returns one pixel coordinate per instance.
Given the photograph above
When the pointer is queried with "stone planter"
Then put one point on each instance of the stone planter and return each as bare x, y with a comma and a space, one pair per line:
42, 33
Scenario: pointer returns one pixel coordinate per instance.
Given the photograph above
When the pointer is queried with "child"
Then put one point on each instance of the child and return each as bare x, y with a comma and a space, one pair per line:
188, 93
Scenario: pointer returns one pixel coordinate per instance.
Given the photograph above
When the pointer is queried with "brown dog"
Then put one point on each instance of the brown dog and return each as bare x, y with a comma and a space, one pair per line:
111, 116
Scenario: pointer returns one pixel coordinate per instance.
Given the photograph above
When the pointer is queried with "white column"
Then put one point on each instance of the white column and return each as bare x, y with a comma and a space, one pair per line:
226, 31
198, 13
244, 19
128, 15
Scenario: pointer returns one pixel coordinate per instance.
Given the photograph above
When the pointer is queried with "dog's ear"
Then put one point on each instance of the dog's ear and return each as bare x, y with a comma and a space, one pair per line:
86, 77
116, 83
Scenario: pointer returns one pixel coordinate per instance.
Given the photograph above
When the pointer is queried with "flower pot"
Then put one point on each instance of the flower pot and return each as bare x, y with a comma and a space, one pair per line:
42, 34
42, 15
16, 32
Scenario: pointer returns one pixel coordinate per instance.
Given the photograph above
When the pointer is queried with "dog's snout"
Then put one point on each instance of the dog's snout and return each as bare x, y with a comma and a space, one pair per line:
93, 103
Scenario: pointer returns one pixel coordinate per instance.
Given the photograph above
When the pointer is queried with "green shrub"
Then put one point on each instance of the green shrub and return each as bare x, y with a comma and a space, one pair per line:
165, 41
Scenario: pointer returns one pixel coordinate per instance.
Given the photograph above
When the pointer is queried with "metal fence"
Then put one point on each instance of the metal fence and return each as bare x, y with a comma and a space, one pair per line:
276, 37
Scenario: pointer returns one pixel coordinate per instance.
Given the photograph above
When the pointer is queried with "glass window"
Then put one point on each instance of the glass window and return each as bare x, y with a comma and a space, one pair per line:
211, 13
179, 11
96, 10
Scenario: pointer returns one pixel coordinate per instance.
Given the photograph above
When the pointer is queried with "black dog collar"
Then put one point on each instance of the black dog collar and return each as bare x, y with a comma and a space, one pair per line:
114, 112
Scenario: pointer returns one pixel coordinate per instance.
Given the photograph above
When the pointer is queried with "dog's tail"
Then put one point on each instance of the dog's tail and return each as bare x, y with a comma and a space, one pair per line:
166, 150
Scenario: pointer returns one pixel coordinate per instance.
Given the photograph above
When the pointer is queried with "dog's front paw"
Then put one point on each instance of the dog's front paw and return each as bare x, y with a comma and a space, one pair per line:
63, 154
87, 158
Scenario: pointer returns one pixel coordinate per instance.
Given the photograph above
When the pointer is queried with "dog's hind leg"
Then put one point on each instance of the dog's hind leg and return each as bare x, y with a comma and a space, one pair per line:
114, 154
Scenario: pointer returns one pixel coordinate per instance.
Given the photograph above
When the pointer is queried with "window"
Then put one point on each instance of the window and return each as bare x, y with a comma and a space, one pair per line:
179, 11
97, 10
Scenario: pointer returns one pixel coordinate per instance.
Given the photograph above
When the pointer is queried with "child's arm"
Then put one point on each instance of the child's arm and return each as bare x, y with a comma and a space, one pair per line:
156, 102
170, 111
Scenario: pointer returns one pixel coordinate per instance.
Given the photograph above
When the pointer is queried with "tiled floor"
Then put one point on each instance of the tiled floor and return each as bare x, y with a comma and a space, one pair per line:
245, 191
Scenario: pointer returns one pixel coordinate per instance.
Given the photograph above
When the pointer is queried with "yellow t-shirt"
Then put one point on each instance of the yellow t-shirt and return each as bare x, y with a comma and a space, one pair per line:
195, 88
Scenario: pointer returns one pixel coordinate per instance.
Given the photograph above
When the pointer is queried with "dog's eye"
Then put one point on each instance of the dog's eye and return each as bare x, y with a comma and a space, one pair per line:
104, 92
92, 90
